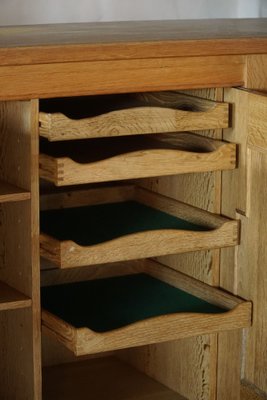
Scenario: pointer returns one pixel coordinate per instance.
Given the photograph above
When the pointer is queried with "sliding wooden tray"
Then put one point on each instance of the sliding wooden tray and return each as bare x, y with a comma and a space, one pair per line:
156, 304
128, 223
105, 378
117, 158
128, 114
11, 299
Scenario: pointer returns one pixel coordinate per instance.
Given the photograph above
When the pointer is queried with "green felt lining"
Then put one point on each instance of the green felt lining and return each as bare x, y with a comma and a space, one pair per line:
100, 223
106, 304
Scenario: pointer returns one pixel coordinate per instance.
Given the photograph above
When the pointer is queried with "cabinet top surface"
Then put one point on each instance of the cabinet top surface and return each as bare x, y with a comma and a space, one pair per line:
34, 44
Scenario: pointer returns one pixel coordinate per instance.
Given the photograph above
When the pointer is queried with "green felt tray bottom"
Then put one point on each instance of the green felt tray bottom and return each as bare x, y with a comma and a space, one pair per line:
95, 224
106, 304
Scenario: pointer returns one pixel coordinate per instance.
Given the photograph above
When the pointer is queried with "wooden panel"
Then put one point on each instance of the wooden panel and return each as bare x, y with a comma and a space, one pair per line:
102, 379
256, 72
20, 337
257, 128
180, 366
84, 341
229, 365
12, 193
16, 365
74, 79
74, 163
100, 116
136, 39
248, 277
11, 299
251, 273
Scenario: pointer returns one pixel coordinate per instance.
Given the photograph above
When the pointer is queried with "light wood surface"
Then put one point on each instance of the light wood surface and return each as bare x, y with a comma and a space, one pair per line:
164, 328
20, 329
148, 113
228, 374
257, 121
248, 276
167, 155
12, 193
256, 77
106, 378
96, 77
138, 39
11, 299
223, 233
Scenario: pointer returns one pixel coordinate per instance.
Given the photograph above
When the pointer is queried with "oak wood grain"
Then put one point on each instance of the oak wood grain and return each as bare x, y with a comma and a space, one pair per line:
223, 233
129, 114
11, 299
97, 77
103, 378
84, 341
136, 39
146, 157
10, 192
20, 329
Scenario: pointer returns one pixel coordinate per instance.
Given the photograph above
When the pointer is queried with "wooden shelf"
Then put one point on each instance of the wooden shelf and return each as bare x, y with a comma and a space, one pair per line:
118, 158
11, 299
10, 192
102, 379
143, 225
120, 115
156, 305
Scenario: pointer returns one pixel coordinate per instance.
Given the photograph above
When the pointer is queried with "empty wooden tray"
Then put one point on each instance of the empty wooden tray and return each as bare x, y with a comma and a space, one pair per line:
128, 114
130, 157
156, 305
128, 223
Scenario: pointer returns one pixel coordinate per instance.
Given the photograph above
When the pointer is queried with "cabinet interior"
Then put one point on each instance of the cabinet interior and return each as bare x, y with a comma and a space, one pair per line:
201, 190
155, 366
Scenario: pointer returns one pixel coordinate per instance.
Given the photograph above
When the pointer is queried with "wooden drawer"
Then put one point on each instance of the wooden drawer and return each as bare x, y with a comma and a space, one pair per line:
153, 305
124, 223
109, 159
129, 114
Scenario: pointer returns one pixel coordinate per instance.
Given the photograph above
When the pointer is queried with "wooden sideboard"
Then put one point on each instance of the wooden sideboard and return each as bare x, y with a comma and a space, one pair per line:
154, 80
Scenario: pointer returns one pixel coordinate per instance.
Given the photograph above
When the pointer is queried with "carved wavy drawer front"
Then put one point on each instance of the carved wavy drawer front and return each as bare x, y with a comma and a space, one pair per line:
131, 114
155, 304
108, 159
137, 223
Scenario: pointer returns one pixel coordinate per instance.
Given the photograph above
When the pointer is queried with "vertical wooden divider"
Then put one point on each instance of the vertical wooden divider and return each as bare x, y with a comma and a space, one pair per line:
20, 359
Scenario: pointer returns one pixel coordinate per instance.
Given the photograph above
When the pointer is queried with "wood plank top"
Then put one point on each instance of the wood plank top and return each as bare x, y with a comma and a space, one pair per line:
35, 44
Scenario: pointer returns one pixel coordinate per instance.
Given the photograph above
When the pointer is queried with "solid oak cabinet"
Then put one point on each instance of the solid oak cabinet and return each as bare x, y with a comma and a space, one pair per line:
132, 206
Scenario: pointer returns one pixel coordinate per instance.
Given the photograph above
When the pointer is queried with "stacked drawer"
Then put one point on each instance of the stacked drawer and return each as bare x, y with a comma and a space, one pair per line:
117, 227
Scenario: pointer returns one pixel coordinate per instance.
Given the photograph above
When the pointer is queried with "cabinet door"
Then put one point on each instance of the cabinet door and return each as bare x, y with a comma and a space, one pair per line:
244, 194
